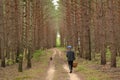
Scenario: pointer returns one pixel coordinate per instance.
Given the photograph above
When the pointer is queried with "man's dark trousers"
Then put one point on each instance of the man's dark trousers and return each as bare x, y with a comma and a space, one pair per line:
70, 63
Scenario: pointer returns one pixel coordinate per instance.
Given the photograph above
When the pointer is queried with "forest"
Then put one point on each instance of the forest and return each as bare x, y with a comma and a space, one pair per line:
29, 28
92, 26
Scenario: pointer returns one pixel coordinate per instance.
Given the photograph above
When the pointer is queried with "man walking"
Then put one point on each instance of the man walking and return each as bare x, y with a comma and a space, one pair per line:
70, 57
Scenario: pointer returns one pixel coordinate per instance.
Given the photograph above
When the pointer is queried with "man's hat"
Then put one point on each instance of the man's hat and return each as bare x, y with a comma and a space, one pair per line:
69, 47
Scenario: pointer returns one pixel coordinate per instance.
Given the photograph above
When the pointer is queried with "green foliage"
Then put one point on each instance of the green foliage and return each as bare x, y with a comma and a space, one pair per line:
9, 61
21, 55
118, 61
98, 56
37, 54
43, 60
108, 53
58, 42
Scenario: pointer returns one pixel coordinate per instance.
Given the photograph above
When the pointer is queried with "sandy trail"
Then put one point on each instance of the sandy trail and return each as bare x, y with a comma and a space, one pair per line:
73, 76
51, 70
50, 73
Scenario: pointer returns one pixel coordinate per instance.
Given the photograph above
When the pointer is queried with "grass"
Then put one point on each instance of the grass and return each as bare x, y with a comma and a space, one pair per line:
23, 78
41, 58
92, 70
89, 73
118, 61
98, 56
37, 54
94, 74
108, 57
61, 48
92, 78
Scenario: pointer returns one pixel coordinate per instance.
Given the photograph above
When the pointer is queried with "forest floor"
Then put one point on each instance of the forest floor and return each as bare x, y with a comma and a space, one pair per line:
57, 69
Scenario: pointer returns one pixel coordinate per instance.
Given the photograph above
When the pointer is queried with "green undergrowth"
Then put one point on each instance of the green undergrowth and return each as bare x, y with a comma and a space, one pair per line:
91, 70
90, 73
39, 67
23, 78
108, 54
61, 48
108, 58
37, 54
118, 61
9, 61
98, 56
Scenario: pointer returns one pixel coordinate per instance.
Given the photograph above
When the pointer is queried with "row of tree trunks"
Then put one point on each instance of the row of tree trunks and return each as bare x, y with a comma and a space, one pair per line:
25, 26
92, 27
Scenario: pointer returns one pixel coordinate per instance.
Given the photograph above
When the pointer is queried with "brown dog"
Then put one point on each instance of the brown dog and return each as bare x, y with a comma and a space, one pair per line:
51, 58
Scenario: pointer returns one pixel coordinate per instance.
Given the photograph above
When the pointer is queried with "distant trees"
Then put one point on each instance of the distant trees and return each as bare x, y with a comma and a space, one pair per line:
92, 27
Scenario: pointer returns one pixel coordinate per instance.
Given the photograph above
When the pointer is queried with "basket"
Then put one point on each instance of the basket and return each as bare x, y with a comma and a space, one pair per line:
75, 64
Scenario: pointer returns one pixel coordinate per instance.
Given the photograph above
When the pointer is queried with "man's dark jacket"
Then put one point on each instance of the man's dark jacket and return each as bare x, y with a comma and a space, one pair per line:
70, 55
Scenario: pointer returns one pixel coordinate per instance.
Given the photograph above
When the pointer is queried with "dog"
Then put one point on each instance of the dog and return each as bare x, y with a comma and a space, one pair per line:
51, 58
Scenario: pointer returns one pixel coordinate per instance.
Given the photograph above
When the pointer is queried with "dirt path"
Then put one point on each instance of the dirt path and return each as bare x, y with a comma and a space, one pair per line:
44, 69
51, 70
72, 76
58, 69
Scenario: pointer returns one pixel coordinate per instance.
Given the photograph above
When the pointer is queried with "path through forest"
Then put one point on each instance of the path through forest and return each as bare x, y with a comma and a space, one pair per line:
44, 69
58, 69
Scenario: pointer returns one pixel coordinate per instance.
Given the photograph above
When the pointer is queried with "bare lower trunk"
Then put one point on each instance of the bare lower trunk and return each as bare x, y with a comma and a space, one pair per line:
29, 65
3, 58
20, 64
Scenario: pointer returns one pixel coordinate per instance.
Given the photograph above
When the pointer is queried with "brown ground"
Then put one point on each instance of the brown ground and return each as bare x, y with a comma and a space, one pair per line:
57, 69
44, 69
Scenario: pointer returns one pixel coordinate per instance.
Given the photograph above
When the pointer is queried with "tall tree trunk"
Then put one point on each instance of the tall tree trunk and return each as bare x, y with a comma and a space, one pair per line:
2, 36
30, 32
23, 45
